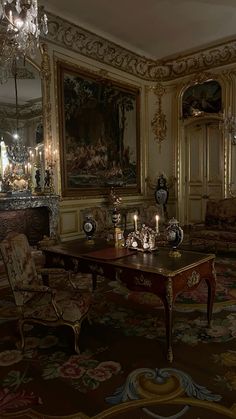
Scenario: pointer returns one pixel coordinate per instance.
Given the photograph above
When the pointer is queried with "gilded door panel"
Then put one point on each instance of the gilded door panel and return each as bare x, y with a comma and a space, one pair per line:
204, 169
195, 148
195, 163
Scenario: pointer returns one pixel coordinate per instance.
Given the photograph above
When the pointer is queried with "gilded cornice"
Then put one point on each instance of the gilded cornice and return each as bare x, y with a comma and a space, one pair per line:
70, 36
91, 45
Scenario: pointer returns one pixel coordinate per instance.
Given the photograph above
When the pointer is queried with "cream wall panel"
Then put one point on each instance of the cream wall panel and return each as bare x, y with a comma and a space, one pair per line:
195, 208
69, 222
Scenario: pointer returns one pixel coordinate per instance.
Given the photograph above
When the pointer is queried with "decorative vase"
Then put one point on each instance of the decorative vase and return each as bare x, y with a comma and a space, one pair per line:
174, 236
89, 227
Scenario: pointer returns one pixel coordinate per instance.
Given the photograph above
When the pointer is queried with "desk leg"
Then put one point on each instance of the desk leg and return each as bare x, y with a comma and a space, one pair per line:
211, 285
168, 305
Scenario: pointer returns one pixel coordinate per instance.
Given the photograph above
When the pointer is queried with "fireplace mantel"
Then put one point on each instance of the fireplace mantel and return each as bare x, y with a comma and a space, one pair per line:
51, 202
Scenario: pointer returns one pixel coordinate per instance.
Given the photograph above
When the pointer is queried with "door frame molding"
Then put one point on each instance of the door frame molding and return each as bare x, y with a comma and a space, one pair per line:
227, 80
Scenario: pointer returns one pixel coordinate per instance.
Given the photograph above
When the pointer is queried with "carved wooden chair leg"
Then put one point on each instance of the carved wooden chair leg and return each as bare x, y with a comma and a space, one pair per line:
76, 330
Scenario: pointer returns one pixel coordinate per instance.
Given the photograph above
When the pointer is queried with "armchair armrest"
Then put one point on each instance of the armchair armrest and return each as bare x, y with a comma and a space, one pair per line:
41, 289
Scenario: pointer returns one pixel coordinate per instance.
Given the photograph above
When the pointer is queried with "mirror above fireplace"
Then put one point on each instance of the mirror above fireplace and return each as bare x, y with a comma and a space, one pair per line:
24, 125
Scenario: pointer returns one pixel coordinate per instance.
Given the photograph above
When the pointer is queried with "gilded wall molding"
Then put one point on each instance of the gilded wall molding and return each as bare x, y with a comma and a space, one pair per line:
158, 122
91, 45
45, 71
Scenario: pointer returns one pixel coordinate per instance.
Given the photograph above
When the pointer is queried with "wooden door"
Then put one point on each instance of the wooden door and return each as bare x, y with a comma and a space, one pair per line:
204, 170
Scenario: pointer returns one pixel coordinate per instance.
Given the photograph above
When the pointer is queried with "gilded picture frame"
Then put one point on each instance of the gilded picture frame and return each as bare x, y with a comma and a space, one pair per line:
99, 128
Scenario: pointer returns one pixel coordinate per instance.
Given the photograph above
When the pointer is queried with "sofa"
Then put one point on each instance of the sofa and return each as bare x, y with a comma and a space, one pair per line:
218, 232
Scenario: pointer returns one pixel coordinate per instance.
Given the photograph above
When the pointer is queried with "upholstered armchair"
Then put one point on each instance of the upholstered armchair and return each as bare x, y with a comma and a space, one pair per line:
37, 302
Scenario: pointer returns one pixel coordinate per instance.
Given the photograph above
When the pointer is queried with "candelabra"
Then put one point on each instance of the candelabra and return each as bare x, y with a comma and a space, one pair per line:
50, 164
143, 240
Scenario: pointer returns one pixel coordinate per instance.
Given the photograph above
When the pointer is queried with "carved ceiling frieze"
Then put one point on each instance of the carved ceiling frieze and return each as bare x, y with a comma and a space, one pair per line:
75, 38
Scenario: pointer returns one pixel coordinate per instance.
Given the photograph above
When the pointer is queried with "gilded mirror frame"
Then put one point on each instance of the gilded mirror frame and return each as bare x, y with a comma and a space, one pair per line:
40, 139
45, 72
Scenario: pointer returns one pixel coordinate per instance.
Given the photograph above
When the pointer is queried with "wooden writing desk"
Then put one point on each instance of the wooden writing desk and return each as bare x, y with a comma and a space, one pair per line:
154, 272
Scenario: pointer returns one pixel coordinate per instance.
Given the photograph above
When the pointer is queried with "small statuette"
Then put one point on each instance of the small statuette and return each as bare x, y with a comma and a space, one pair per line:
37, 177
47, 181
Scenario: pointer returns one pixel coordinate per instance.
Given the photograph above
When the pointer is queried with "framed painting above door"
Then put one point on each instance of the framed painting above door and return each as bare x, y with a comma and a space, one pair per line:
99, 122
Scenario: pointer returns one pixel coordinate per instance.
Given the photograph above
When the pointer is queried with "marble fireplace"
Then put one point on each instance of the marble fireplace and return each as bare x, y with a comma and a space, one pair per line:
34, 215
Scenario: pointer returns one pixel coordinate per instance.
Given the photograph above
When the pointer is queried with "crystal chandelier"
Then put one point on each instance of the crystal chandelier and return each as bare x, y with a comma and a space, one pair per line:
21, 23
228, 126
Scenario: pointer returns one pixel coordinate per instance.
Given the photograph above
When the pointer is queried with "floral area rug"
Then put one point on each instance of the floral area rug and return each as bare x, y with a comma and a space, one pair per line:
122, 372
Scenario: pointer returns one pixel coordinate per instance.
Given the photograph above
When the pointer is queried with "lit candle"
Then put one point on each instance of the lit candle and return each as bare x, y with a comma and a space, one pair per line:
10, 17
40, 155
135, 222
157, 221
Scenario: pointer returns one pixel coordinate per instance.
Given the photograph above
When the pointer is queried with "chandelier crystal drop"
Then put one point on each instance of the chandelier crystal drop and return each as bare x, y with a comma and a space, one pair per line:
18, 152
21, 22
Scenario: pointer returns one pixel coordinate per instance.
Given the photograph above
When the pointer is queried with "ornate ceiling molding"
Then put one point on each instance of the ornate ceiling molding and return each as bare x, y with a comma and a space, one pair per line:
30, 110
74, 38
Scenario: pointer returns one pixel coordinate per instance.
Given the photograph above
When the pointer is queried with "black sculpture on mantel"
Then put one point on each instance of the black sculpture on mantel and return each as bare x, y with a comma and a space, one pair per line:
37, 188
162, 193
